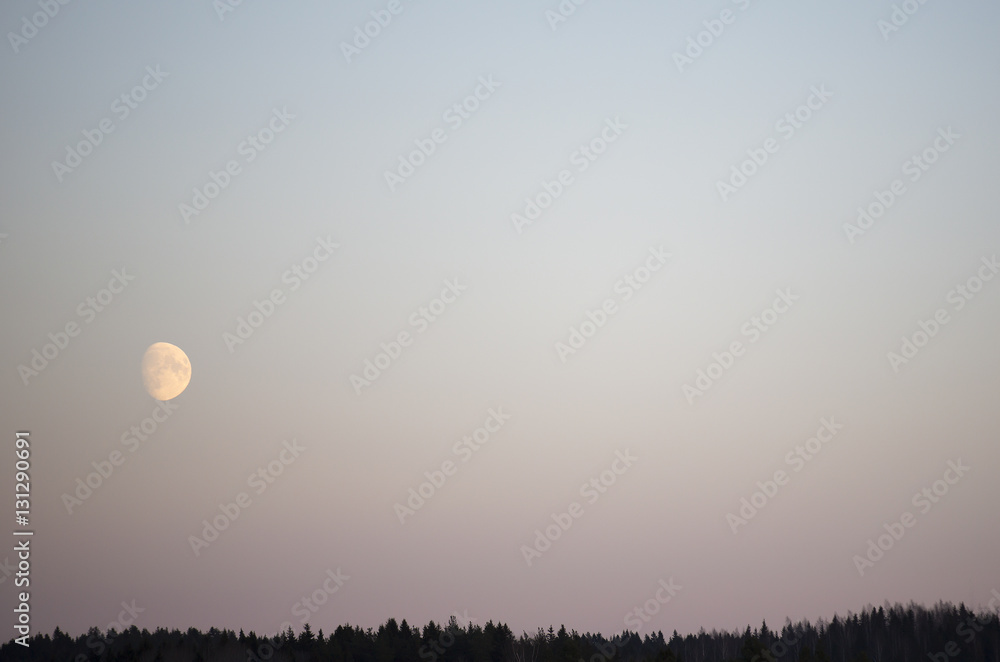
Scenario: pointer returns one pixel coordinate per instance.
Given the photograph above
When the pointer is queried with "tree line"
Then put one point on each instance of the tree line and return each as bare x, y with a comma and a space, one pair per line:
893, 633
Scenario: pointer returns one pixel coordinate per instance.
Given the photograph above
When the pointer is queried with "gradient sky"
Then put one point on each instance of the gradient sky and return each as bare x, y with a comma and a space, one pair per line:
495, 346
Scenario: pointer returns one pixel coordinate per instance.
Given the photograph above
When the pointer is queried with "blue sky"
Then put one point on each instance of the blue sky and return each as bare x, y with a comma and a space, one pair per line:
225, 80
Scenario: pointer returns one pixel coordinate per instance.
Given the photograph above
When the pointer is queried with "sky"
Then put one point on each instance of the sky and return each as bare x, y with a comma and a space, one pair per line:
518, 311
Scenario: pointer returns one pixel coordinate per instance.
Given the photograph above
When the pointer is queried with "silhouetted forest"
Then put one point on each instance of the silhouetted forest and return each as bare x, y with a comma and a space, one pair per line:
944, 633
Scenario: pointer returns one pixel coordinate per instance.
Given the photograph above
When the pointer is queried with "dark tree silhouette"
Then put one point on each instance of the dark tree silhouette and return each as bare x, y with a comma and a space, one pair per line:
944, 633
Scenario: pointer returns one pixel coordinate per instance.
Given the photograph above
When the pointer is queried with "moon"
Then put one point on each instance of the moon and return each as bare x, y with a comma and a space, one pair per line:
166, 370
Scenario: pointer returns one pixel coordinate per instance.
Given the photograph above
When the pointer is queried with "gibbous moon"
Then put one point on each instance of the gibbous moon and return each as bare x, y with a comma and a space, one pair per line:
166, 370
